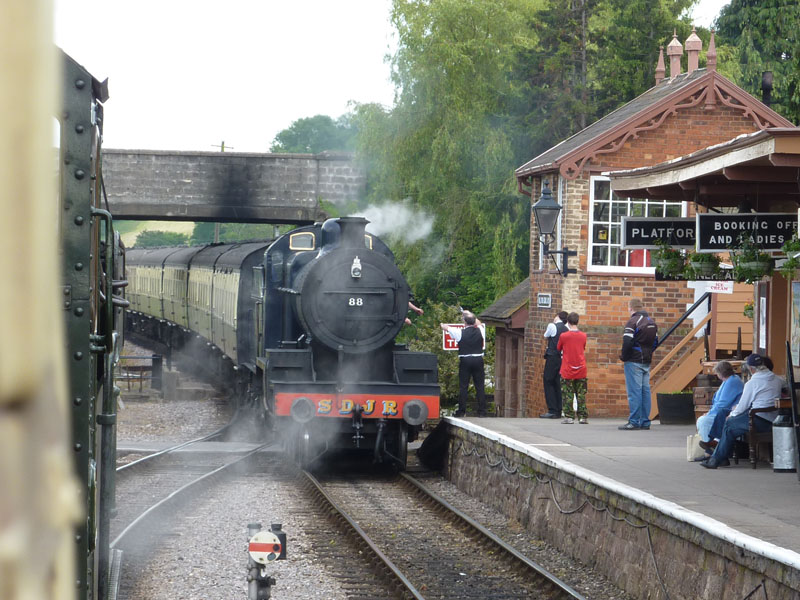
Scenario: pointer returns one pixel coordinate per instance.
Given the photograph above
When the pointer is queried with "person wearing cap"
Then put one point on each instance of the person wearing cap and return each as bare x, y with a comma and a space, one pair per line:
761, 391
470, 361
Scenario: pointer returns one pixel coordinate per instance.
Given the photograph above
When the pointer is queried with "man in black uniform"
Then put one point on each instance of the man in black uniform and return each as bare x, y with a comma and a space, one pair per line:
552, 367
470, 361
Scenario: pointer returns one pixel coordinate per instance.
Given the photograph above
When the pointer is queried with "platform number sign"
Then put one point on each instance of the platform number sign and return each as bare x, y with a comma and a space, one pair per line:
449, 343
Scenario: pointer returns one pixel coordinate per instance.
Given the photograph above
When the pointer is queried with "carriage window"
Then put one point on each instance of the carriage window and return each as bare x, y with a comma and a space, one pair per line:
303, 240
605, 222
258, 283
368, 241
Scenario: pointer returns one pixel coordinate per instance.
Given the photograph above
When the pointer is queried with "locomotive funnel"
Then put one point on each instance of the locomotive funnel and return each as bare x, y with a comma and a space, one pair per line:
352, 231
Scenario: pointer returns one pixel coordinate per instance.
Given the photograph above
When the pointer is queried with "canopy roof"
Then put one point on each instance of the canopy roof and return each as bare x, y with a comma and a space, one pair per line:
758, 171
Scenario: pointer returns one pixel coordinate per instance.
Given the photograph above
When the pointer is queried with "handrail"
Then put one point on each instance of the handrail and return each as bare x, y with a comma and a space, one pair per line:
679, 346
706, 296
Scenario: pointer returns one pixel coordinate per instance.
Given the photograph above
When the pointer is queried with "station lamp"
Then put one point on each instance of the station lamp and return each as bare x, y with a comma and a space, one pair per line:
546, 212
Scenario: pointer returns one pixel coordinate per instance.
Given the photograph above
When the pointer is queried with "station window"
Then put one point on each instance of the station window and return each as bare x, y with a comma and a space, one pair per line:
605, 227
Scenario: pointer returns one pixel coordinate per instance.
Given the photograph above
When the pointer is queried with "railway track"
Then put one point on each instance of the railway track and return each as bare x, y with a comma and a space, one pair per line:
159, 484
420, 547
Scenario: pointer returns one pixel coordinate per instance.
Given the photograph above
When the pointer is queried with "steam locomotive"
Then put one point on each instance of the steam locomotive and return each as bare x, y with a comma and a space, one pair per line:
306, 324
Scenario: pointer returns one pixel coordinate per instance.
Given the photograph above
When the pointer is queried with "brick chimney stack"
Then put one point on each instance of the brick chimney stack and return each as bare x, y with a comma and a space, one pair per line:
660, 69
693, 46
674, 51
711, 55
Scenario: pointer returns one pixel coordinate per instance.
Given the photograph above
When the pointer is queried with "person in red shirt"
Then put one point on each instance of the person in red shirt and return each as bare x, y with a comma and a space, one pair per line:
572, 344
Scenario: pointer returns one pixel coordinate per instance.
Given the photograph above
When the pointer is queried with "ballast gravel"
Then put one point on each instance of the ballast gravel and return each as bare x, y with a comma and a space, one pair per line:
202, 553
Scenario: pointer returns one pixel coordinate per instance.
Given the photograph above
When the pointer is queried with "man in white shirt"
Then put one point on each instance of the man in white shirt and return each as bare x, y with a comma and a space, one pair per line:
761, 391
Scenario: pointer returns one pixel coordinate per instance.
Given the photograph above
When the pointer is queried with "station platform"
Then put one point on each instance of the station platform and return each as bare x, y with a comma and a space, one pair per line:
755, 509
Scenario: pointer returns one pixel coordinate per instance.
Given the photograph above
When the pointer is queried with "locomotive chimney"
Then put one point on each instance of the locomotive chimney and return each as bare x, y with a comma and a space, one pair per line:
352, 231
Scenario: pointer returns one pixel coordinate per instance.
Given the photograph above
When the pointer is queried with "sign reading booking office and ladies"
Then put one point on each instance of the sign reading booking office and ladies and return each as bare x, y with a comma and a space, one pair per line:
709, 232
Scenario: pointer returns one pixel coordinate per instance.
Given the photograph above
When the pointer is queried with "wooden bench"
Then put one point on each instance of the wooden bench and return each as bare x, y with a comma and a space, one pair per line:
753, 437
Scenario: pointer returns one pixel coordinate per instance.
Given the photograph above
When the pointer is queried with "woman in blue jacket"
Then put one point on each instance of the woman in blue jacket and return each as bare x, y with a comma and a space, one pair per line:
709, 426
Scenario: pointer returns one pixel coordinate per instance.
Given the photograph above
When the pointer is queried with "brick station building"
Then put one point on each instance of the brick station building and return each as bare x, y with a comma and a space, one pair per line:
682, 113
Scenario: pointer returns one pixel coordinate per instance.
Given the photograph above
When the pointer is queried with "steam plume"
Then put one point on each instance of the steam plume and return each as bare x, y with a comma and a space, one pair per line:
398, 219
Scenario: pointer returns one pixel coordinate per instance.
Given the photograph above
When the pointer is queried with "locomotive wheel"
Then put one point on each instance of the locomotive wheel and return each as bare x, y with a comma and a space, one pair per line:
401, 452
304, 448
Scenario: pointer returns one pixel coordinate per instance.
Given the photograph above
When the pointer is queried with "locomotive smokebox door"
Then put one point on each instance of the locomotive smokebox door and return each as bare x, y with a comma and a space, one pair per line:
352, 297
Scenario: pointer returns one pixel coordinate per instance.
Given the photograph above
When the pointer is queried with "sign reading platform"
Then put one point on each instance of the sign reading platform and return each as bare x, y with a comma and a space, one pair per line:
718, 232
643, 232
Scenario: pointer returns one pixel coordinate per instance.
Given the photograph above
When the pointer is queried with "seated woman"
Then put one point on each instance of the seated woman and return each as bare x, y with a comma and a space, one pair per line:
709, 426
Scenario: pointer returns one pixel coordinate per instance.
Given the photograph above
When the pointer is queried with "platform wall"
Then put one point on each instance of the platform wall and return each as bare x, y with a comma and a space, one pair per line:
611, 530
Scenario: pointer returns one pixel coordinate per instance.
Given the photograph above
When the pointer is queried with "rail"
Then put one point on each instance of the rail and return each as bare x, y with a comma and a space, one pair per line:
552, 587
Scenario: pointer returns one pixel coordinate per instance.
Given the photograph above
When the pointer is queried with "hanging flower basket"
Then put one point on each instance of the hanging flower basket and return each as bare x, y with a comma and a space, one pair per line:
749, 310
703, 265
667, 260
792, 263
750, 264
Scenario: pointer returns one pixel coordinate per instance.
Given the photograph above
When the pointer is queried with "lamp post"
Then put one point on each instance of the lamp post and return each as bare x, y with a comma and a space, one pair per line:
546, 212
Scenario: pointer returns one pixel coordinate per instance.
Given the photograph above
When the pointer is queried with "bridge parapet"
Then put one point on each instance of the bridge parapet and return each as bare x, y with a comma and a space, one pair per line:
228, 186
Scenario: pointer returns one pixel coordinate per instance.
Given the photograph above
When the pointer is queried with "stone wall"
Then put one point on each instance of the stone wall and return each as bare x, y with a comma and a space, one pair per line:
595, 521
238, 187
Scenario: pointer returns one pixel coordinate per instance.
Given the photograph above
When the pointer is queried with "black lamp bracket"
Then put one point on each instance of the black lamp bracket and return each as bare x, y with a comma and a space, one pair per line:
564, 252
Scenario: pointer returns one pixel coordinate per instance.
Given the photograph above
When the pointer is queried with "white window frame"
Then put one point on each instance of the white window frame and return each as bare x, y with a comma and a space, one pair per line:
592, 268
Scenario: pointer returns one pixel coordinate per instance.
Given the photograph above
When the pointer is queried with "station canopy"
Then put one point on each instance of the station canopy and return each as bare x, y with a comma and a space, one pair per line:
758, 172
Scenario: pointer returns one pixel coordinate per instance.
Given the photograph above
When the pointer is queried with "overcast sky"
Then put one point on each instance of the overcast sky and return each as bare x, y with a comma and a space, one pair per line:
189, 74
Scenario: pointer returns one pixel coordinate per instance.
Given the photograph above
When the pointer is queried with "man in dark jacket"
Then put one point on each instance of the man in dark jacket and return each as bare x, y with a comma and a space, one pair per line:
551, 377
638, 342
470, 361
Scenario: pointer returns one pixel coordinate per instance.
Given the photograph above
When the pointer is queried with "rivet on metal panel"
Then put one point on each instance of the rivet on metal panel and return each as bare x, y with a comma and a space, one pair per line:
78, 312
78, 355
77, 401
80, 84
79, 266
79, 220
79, 128
78, 447
80, 174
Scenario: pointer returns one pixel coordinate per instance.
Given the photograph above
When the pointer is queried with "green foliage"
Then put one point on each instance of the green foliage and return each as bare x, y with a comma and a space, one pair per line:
425, 335
667, 260
316, 134
792, 263
763, 35
153, 238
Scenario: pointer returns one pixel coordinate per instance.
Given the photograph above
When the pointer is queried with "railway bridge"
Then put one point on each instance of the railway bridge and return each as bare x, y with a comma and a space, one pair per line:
228, 187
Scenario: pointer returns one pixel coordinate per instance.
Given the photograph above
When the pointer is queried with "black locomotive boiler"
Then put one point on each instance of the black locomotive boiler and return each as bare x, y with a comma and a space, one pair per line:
307, 324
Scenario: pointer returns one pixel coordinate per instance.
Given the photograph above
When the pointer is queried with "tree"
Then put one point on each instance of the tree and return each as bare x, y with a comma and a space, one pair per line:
154, 238
316, 134
449, 143
763, 35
